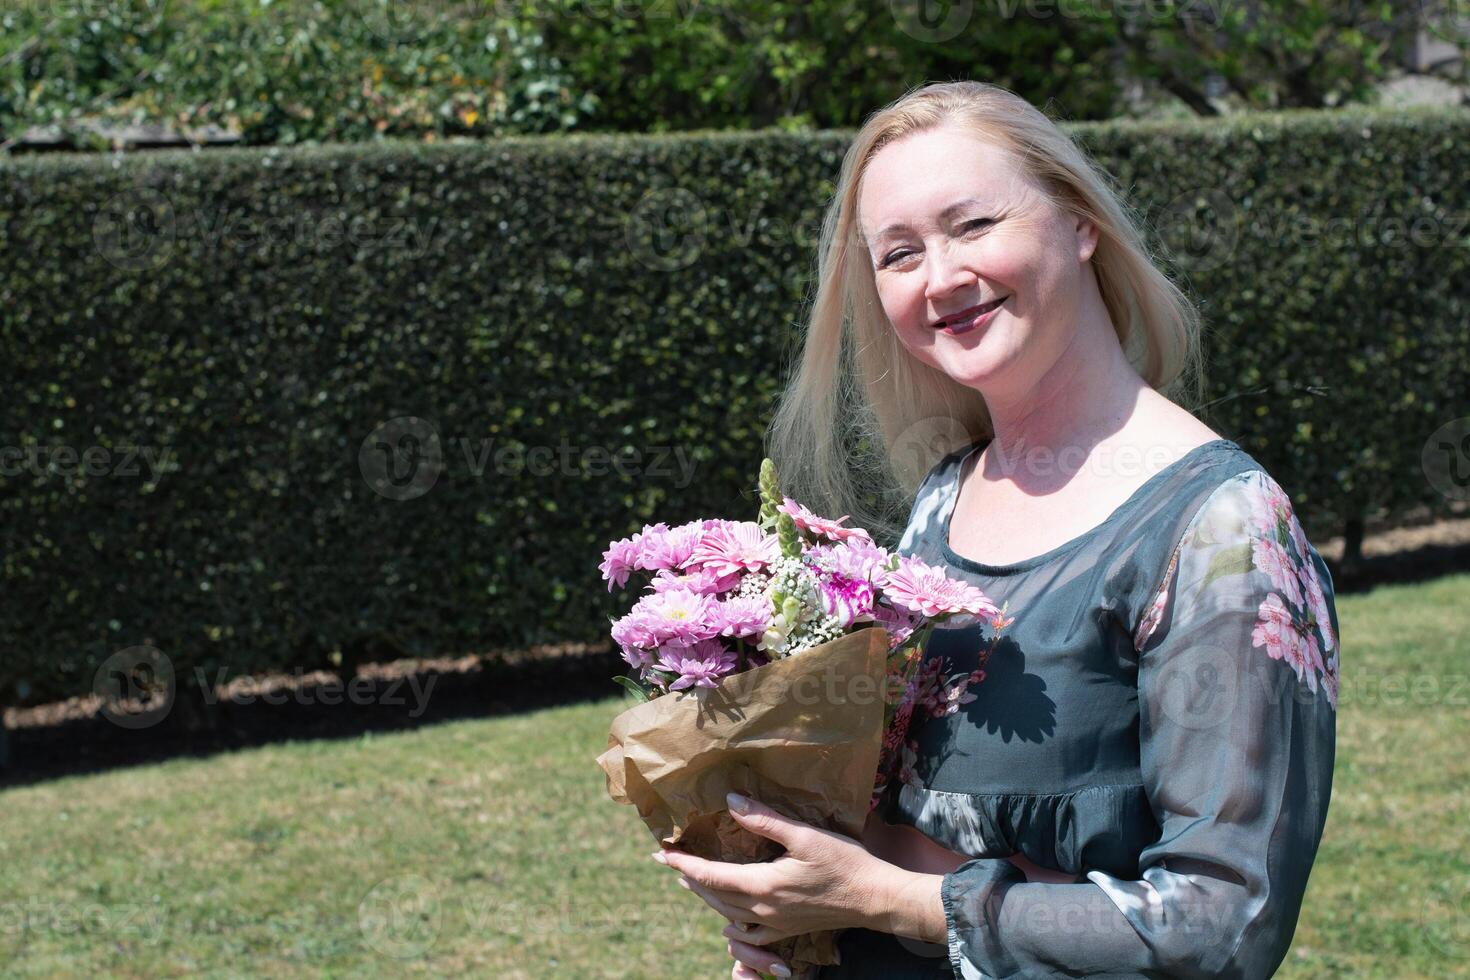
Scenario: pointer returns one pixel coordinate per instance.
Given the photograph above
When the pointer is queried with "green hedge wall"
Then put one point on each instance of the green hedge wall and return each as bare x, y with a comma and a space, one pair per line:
207, 352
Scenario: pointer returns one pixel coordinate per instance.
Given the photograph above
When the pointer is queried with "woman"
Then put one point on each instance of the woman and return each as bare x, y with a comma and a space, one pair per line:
1131, 778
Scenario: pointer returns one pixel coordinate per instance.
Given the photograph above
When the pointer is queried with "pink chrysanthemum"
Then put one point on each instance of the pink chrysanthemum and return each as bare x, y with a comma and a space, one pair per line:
671, 549
678, 617
899, 623
705, 581
857, 558
633, 630
738, 546
636, 656
701, 665
819, 526
619, 560
744, 616
652, 548
920, 587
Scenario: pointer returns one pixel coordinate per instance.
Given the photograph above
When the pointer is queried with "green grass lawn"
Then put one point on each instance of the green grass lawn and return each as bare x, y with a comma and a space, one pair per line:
490, 847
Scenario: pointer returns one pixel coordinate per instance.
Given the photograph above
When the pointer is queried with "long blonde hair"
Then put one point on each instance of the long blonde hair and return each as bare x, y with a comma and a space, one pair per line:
862, 420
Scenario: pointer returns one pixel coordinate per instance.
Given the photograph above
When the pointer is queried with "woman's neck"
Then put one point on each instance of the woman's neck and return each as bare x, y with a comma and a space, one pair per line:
1089, 394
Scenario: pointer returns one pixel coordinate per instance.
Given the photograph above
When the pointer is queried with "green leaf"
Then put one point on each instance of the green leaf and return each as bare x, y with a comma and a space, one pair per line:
633, 688
1235, 560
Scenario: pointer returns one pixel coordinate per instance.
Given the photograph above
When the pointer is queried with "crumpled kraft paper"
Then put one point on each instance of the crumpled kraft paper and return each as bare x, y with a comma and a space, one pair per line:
801, 735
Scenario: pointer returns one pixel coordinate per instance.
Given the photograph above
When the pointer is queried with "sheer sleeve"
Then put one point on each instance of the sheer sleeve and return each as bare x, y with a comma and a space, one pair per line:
1237, 698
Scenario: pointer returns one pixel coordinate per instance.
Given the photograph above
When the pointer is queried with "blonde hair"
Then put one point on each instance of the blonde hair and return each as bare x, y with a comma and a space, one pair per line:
862, 421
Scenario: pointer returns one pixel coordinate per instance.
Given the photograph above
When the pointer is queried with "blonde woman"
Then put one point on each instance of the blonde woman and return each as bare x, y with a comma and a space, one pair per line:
1131, 780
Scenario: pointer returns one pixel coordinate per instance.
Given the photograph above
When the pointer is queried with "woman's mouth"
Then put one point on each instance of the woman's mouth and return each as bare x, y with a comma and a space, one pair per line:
967, 320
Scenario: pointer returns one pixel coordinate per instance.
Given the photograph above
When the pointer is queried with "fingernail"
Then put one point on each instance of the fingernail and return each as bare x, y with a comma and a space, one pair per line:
781, 969
659, 857
683, 882
737, 803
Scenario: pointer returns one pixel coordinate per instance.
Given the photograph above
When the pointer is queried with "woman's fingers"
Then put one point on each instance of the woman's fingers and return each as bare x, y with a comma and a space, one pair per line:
754, 958
743, 972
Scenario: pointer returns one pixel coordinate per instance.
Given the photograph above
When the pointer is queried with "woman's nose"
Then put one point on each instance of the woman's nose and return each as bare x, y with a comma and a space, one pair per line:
946, 274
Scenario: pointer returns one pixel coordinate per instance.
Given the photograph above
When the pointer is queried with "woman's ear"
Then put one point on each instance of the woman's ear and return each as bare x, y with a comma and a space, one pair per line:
1087, 235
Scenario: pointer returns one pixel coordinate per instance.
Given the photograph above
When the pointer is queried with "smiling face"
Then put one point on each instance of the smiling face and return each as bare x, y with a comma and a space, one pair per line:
951, 223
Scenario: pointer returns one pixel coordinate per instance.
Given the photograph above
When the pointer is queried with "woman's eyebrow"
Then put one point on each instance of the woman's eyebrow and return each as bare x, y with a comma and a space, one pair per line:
947, 213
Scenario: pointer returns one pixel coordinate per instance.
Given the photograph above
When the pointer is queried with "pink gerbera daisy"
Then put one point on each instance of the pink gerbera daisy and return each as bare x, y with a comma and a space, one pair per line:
738, 546
819, 526
920, 587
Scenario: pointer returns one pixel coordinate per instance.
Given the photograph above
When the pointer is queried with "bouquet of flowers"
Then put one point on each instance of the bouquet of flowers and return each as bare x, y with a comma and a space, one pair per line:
742, 628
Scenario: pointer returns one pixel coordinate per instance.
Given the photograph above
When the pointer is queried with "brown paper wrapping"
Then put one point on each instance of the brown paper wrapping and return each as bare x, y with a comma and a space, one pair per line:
801, 735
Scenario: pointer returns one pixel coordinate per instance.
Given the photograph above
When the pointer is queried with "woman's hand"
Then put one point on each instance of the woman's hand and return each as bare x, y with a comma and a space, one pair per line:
753, 963
824, 881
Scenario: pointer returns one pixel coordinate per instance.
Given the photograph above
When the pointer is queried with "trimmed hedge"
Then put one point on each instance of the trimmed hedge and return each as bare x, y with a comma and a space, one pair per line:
255, 315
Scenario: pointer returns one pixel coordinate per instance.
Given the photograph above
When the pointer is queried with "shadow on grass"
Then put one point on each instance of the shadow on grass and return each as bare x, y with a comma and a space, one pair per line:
1421, 564
74, 741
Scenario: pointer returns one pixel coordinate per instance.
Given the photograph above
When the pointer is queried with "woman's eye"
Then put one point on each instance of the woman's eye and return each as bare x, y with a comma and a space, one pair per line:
971, 225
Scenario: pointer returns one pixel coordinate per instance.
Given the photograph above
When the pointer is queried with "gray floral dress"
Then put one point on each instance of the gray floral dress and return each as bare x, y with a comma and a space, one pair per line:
1159, 719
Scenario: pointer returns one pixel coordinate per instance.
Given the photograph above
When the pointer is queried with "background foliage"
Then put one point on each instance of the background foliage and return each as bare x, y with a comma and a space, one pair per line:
290, 71
260, 314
